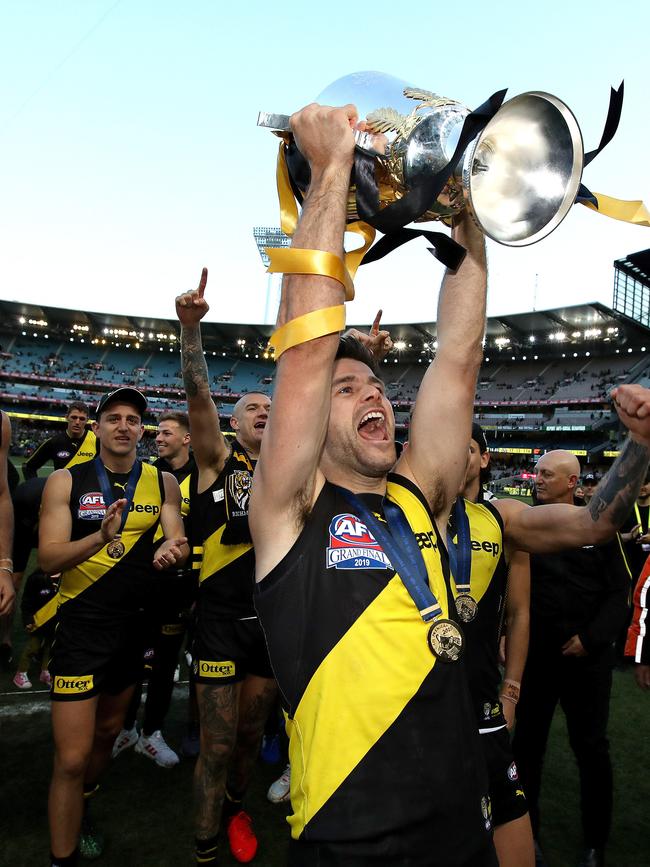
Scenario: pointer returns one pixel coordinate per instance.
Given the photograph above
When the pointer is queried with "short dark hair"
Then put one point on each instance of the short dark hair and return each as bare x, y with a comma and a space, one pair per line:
79, 406
181, 418
350, 347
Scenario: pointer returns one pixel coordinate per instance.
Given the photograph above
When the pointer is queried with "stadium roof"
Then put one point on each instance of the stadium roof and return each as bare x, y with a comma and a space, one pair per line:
596, 324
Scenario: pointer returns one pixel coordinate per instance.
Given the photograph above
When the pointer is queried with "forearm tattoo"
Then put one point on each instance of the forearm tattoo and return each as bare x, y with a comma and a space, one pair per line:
615, 496
195, 369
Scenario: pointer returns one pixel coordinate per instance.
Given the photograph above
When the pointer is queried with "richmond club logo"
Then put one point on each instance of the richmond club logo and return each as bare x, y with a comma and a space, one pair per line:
352, 546
91, 507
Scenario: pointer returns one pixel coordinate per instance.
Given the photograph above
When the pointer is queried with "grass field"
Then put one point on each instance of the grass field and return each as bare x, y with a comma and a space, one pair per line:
146, 811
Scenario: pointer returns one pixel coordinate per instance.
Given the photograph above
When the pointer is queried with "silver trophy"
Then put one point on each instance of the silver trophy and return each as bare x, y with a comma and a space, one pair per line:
518, 176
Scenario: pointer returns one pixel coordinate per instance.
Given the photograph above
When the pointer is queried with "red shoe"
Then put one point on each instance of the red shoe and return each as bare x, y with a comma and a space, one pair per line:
242, 839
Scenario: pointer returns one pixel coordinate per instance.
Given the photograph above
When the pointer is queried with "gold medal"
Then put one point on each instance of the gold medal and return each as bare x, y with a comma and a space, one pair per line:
445, 640
466, 606
115, 549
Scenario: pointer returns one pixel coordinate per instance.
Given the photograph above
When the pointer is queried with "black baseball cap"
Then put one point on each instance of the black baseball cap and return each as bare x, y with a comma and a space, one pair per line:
590, 477
123, 395
479, 437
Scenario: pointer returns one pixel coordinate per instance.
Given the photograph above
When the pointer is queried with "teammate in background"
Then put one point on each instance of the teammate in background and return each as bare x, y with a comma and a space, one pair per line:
578, 606
72, 446
97, 527
7, 591
234, 682
40, 591
500, 586
635, 532
638, 643
168, 609
347, 643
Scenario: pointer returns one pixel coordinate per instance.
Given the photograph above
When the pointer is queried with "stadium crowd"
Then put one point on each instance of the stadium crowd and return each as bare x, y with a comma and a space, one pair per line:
404, 619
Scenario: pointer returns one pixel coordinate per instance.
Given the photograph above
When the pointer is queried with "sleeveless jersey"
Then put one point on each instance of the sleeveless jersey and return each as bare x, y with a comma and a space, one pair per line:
100, 584
488, 586
63, 451
383, 741
227, 573
86, 450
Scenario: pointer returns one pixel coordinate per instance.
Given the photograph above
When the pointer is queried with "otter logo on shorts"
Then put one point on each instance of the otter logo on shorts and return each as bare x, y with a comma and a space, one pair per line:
352, 546
222, 668
72, 684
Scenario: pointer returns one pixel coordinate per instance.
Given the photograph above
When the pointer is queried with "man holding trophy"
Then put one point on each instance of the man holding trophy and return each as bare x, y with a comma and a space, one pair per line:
353, 576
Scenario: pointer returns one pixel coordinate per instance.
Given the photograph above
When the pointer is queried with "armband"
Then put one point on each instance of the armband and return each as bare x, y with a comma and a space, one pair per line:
309, 326
510, 691
294, 260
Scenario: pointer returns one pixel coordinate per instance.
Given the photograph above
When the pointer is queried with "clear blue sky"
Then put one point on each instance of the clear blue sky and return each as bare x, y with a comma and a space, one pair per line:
130, 155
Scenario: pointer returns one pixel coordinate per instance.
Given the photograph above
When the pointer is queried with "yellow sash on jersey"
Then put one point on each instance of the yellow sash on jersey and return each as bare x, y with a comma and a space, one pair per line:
86, 451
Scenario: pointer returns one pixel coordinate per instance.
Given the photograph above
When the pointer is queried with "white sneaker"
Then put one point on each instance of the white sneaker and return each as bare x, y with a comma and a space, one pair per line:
126, 738
21, 680
154, 747
177, 674
279, 790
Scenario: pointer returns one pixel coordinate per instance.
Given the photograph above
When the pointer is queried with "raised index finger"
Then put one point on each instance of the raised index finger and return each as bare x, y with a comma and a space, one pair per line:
203, 282
375, 324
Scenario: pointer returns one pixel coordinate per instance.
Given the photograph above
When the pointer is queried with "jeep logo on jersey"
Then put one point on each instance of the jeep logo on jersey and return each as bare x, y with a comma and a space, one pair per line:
72, 684
144, 507
352, 546
489, 547
91, 507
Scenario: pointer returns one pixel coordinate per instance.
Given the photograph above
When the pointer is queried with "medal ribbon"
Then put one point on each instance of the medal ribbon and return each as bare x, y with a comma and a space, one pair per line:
107, 490
460, 554
399, 544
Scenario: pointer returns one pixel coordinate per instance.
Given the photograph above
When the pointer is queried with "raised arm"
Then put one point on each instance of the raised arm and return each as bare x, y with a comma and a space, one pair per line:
7, 591
440, 429
208, 443
286, 476
555, 527
56, 552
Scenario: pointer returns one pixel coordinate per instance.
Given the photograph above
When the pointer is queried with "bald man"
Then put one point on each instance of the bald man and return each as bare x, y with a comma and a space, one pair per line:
578, 606
234, 682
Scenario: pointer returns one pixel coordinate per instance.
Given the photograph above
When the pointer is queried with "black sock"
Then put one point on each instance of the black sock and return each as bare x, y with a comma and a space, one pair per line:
69, 861
206, 851
232, 804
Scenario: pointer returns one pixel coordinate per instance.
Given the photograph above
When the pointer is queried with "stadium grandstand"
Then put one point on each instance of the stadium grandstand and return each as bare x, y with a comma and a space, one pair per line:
544, 382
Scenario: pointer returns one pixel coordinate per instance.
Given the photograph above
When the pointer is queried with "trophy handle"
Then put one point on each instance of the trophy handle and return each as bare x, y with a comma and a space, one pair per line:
368, 142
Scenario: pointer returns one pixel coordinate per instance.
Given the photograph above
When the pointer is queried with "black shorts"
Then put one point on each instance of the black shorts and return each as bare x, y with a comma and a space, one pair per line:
506, 792
93, 655
225, 651
352, 854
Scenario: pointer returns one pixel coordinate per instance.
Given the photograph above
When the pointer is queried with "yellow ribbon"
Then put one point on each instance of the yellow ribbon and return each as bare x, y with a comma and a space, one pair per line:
309, 326
289, 216
619, 209
294, 260
288, 206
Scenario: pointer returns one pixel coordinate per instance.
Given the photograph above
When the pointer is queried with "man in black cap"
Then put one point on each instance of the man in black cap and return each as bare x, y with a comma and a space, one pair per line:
97, 528
589, 484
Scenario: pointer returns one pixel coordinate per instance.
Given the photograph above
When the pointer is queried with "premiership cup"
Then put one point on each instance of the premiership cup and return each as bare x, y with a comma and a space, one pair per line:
516, 166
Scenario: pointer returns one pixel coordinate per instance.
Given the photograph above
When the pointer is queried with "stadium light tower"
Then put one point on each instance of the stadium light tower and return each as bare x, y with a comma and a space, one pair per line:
632, 286
266, 236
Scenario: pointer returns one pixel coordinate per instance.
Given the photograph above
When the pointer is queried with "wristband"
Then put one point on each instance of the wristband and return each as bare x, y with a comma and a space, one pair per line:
295, 260
309, 326
6, 569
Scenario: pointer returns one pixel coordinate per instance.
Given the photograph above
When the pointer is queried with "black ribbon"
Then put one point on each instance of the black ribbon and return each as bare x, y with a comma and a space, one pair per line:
611, 125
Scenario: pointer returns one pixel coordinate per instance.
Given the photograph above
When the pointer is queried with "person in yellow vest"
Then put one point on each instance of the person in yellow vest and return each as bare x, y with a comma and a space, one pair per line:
97, 527
230, 666
72, 446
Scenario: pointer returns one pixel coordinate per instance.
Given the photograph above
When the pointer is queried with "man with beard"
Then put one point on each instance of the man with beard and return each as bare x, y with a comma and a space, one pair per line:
234, 682
357, 609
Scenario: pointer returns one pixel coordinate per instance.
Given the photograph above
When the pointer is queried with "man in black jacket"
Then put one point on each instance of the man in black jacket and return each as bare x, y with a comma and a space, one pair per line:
578, 606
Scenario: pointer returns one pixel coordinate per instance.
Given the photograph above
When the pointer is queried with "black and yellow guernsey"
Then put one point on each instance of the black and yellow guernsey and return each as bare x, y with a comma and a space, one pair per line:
63, 451
220, 526
386, 763
100, 585
488, 587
